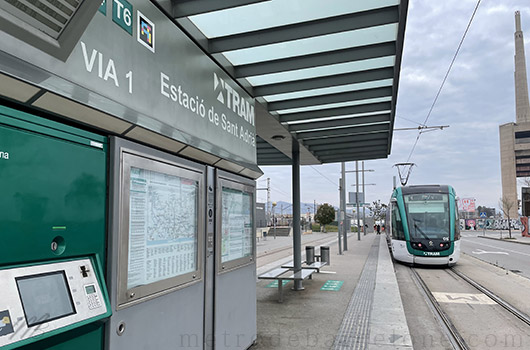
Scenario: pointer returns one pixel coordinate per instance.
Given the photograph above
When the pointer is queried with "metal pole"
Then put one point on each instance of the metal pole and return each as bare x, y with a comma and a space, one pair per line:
364, 199
274, 219
297, 235
343, 205
268, 198
339, 239
357, 198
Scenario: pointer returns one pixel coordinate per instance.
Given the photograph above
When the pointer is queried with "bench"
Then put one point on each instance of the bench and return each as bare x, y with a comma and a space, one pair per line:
317, 265
284, 273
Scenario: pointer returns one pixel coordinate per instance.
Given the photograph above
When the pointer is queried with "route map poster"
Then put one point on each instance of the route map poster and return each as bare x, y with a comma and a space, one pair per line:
237, 236
163, 228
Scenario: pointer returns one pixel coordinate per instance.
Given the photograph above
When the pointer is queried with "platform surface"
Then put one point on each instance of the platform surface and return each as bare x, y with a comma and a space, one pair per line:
354, 303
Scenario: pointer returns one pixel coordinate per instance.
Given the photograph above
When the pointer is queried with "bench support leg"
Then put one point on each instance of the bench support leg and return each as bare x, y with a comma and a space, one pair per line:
280, 290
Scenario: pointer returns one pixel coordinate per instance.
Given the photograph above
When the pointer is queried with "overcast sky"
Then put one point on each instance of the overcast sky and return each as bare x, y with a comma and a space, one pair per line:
476, 99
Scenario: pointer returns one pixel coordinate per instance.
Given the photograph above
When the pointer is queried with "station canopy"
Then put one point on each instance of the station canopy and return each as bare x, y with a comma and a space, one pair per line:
324, 73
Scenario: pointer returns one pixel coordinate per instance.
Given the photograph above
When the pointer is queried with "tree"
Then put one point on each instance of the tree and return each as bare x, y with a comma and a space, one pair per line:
506, 206
378, 210
325, 215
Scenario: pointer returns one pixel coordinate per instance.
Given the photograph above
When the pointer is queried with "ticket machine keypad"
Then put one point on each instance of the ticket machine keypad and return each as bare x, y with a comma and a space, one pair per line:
92, 297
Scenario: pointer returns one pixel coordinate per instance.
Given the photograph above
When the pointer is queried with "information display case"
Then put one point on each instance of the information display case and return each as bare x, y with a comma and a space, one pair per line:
161, 224
235, 224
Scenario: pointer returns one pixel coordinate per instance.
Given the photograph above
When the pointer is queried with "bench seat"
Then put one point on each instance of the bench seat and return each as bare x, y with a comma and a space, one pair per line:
285, 273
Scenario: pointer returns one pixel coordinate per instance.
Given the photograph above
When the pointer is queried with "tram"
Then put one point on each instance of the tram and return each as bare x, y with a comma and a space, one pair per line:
423, 225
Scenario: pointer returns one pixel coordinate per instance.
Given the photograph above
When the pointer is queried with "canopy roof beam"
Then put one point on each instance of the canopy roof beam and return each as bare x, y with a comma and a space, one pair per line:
325, 81
365, 156
185, 8
340, 140
335, 112
331, 98
350, 145
352, 151
316, 60
381, 127
303, 30
371, 119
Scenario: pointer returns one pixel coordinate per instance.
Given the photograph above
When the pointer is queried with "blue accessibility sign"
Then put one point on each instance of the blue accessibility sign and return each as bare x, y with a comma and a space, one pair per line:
483, 215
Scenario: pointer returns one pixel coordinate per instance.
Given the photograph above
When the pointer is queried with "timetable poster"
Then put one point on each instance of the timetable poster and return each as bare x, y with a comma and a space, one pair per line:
162, 226
237, 235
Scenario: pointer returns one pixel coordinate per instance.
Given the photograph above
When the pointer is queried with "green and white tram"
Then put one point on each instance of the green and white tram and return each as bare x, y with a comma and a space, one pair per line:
423, 225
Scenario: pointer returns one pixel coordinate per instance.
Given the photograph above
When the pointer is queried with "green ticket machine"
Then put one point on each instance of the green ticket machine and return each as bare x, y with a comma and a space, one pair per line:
53, 293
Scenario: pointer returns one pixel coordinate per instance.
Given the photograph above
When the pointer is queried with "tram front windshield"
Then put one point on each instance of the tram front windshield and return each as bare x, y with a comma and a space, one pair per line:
428, 215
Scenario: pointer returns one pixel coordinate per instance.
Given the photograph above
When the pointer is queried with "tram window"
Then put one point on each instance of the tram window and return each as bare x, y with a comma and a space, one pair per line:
457, 222
397, 225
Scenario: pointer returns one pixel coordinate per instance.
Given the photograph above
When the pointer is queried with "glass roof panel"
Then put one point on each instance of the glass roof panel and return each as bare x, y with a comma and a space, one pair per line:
334, 105
329, 90
276, 13
354, 38
338, 127
334, 118
309, 73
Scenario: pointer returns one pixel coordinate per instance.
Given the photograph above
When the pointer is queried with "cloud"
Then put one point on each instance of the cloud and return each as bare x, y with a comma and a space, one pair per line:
477, 97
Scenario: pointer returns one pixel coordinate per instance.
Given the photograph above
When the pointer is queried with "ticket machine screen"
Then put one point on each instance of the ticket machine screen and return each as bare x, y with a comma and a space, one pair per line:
45, 297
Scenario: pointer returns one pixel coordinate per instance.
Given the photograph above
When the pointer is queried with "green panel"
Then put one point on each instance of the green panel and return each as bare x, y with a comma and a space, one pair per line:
332, 285
103, 7
84, 338
53, 184
122, 14
50, 187
274, 284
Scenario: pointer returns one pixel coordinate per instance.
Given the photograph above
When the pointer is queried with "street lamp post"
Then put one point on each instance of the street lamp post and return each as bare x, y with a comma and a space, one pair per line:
364, 217
274, 219
356, 171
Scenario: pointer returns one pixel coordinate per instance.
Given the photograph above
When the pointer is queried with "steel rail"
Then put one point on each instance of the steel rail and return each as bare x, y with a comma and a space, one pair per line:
457, 341
510, 308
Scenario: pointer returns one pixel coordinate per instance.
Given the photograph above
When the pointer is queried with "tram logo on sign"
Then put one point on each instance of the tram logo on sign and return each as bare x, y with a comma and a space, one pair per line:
229, 97
145, 31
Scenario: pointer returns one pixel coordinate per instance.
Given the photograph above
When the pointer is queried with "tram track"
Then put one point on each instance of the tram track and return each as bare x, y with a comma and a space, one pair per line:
510, 308
452, 333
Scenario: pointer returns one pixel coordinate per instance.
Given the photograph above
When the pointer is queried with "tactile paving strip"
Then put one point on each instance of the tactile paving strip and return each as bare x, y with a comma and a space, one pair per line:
354, 330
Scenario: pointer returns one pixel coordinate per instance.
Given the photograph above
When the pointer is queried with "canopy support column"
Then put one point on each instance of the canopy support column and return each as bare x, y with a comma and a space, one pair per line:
297, 235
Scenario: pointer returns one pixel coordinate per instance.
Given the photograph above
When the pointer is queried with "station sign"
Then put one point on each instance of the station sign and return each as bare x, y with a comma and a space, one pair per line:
132, 62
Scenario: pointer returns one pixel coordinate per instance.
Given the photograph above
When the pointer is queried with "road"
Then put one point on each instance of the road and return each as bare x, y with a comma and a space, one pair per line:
508, 255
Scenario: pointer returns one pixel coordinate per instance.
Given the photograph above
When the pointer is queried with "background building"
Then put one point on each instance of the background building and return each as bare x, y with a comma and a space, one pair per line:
515, 137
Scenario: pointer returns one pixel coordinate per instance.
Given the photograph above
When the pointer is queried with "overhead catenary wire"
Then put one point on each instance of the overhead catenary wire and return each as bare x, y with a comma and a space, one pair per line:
324, 176
445, 77
280, 191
